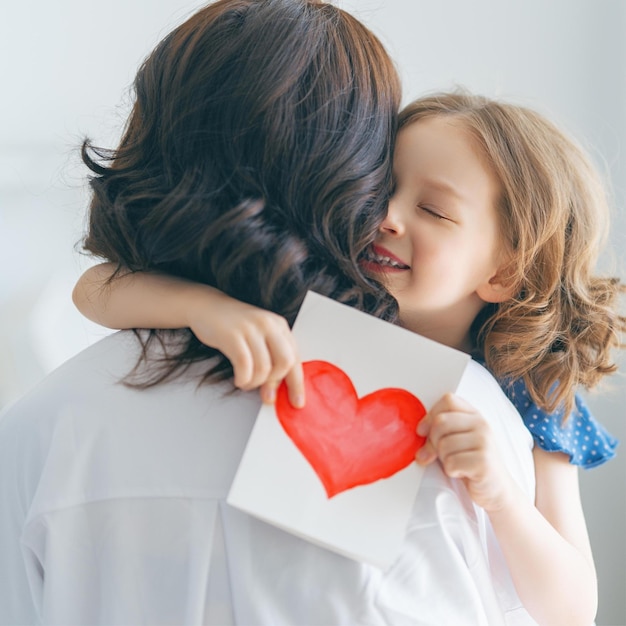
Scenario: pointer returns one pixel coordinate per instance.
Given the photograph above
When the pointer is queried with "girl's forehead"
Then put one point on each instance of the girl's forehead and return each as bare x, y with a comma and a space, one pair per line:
438, 140
439, 154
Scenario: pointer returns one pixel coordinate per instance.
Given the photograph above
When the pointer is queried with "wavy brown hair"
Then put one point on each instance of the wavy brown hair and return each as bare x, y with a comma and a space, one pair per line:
256, 159
559, 329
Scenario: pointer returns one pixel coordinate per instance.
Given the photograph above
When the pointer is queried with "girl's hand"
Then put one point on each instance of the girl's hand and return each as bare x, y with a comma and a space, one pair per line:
258, 343
466, 447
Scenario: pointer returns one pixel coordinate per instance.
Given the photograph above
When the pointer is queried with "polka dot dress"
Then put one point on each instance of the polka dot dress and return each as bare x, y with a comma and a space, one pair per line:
586, 441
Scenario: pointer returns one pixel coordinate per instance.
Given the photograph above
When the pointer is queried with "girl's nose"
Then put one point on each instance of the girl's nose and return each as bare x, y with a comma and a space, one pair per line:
392, 224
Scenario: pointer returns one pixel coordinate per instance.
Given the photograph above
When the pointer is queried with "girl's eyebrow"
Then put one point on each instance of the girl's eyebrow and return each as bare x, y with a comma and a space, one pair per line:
444, 186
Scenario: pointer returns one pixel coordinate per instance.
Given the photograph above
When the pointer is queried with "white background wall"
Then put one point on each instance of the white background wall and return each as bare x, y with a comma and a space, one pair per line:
65, 67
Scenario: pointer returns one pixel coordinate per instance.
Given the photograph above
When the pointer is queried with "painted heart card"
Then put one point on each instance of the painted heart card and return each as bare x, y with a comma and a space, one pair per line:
340, 472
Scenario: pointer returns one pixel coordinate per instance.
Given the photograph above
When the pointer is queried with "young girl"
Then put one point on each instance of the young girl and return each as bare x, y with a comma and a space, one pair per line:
489, 246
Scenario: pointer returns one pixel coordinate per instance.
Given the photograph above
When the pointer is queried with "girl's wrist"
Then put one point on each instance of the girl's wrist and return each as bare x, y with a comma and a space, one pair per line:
508, 503
197, 301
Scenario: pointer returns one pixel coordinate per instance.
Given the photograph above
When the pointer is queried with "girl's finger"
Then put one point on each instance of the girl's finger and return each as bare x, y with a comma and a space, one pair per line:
283, 353
451, 403
261, 360
457, 443
465, 464
423, 427
285, 365
241, 359
442, 424
268, 392
295, 386
426, 454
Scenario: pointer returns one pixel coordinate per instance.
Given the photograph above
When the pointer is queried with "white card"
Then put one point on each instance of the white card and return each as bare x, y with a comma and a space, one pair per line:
341, 472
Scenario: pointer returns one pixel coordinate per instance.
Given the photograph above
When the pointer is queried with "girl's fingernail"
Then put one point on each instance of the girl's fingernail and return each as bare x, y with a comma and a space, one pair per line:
269, 395
422, 455
421, 428
298, 401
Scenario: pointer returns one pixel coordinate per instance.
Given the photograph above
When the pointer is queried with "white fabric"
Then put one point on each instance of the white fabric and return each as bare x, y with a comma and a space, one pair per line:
112, 511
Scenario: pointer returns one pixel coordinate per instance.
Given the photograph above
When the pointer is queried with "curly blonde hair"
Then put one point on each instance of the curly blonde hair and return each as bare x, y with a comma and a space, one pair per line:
558, 330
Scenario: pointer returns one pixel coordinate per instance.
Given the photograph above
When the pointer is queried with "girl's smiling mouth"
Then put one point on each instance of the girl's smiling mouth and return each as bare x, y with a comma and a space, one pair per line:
379, 259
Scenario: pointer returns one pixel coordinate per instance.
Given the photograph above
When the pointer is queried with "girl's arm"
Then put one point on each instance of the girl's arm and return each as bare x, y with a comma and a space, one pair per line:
549, 545
258, 343
546, 546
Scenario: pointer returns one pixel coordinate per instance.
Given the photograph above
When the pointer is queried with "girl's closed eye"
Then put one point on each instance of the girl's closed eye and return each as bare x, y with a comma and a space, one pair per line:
436, 213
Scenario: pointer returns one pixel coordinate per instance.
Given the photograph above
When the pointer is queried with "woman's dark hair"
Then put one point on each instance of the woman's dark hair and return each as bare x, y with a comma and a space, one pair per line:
256, 159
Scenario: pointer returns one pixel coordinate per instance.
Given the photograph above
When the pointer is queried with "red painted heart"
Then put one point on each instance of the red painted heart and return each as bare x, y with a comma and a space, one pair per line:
350, 441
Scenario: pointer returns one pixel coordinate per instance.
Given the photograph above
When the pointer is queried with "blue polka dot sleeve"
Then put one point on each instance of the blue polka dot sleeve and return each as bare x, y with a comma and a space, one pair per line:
585, 440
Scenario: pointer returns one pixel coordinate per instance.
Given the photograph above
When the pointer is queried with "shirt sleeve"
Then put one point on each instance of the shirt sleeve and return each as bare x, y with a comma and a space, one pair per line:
581, 437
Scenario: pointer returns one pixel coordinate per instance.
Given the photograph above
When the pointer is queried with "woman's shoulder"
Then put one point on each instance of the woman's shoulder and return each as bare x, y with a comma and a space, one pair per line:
581, 436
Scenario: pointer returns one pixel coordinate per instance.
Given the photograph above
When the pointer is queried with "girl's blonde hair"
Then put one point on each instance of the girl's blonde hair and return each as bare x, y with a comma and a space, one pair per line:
559, 328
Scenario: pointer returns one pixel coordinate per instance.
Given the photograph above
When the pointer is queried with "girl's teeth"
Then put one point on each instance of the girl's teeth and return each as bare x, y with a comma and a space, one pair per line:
387, 261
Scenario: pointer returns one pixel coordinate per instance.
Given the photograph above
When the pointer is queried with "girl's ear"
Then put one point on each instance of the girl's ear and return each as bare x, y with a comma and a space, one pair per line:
497, 289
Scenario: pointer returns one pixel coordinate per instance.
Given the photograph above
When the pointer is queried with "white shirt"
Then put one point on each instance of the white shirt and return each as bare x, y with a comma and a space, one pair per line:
113, 511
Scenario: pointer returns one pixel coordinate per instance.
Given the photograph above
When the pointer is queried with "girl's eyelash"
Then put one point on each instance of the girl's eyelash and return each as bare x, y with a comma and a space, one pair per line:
431, 212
